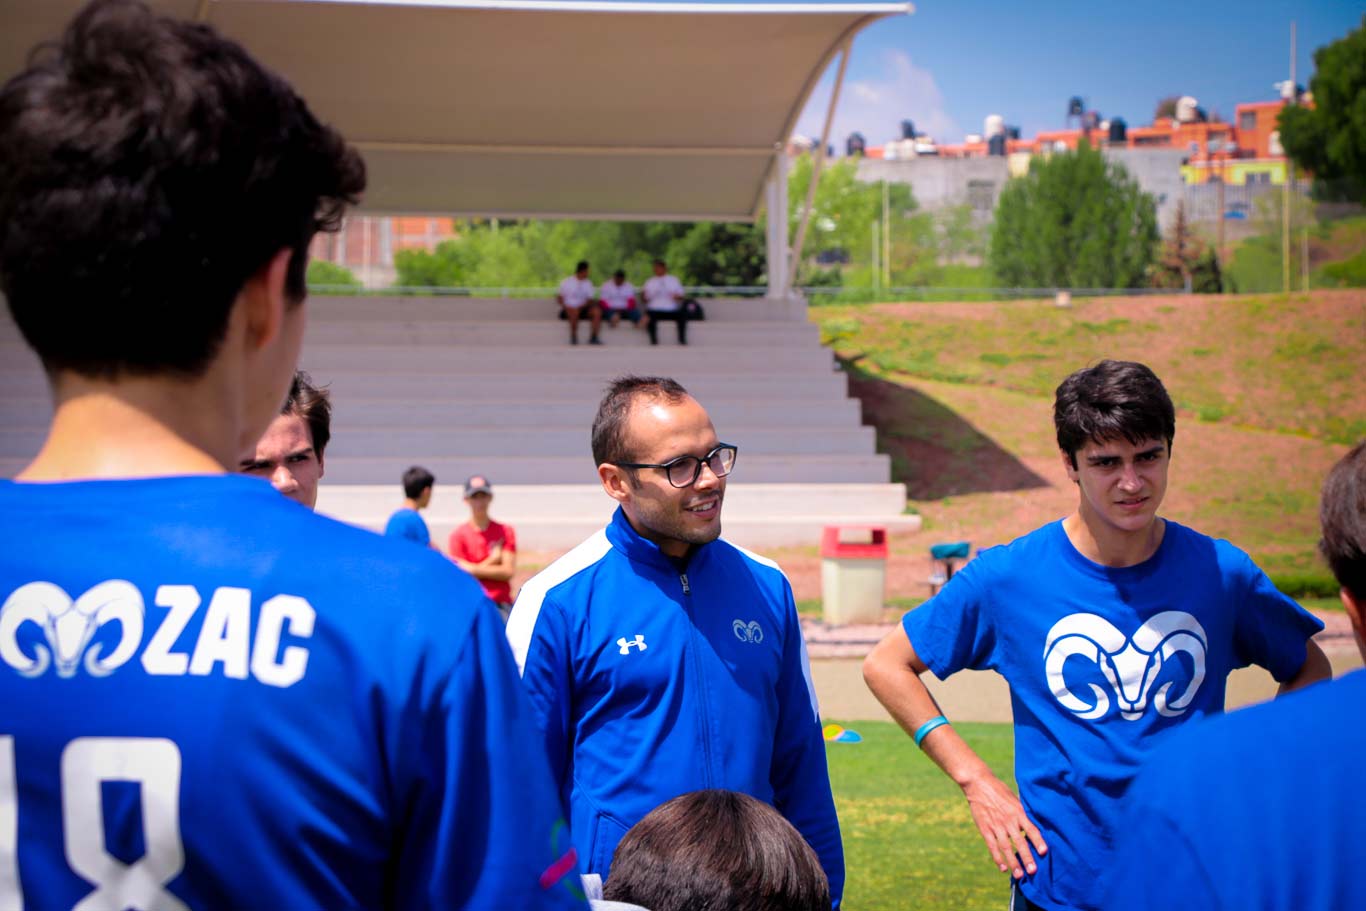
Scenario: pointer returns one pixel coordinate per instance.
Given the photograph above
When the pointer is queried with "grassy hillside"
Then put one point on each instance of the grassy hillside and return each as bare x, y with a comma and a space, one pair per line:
1265, 388
1337, 258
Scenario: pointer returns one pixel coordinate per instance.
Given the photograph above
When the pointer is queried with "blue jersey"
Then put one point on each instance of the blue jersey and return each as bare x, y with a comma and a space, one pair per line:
652, 679
214, 698
406, 523
1102, 661
1256, 811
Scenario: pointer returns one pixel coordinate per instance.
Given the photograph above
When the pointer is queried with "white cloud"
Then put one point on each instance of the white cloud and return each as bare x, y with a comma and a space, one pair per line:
898, 90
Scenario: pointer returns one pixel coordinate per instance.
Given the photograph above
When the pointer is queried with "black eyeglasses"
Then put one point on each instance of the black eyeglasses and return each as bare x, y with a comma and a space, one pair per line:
685, 470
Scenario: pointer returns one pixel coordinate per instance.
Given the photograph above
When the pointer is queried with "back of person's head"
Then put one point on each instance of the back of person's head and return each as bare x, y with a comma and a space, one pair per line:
1342, 514
609, 425
151, 167
581, 266
1109, 401
314, 406
717, 851
619, 274
416, 480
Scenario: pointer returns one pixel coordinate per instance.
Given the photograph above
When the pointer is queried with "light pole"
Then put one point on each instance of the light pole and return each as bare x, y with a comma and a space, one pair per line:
1214, 146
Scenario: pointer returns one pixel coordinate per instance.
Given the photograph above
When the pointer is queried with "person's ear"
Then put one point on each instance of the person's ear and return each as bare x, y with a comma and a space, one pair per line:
1355, 611
265, 299
615, 482
321, 468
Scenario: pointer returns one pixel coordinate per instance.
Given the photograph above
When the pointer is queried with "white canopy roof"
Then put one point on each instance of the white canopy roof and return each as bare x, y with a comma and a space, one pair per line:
536, 108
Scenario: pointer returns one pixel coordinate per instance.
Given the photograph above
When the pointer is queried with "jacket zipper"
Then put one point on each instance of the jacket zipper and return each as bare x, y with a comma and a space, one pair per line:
701, 685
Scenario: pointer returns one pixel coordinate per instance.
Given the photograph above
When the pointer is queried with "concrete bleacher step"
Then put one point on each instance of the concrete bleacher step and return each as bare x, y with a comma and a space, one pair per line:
868, 468
555, 516
490, 386
706, 386
553, 333
434, 310
819, 470
560, 358
32, 413
574, 441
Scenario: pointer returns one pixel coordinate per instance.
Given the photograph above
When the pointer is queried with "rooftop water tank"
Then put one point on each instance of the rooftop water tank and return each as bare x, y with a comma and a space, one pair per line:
994, 124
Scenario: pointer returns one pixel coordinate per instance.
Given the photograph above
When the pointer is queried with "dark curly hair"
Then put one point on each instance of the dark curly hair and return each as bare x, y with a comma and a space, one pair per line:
151, 167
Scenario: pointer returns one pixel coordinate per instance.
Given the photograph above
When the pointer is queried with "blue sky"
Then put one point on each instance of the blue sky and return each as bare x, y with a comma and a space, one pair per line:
953, 62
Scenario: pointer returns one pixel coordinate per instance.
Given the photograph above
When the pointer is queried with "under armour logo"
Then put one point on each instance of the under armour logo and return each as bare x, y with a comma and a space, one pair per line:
626, 645
748, 632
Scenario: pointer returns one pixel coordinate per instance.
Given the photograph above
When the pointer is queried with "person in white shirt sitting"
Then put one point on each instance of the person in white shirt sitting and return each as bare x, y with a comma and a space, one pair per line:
664, 301
577, 294
619, 300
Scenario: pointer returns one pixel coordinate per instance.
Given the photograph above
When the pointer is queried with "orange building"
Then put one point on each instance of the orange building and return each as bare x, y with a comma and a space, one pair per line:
1247, 150
366, 244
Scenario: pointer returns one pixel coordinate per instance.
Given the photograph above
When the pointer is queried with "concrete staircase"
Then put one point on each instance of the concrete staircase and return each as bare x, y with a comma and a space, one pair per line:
491, 386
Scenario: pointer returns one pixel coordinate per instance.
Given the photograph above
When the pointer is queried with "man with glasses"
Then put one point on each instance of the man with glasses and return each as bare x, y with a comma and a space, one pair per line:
661, 660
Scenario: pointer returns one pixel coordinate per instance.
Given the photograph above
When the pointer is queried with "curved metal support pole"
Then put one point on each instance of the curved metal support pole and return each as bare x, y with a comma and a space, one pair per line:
816, 164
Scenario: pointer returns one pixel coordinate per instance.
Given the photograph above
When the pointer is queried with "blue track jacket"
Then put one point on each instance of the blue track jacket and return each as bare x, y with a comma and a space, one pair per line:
652, 680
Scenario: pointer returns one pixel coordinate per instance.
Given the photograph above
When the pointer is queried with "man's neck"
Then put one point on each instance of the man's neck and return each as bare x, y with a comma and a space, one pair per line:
135, 428
1112, 547
481, 523
410, 503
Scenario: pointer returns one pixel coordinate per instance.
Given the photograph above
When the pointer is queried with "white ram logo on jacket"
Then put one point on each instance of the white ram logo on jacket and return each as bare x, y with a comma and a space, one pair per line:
1130, 665
69, 626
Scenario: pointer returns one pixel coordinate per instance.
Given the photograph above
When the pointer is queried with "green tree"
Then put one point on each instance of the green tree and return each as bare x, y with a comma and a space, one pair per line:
718, 253
330, 276
492, 254
842, 218
960, 237
1329, 139
1074, 221
1186, 260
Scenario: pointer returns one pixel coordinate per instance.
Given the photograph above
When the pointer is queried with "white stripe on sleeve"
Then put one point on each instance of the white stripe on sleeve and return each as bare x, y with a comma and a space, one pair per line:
527, 608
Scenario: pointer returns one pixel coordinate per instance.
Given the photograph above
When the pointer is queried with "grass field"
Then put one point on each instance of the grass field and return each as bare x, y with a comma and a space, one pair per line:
909, 840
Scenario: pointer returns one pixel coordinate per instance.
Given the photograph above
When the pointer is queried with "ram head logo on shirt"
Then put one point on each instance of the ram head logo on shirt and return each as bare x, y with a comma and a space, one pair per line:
68, 626
748, 632
1130, 665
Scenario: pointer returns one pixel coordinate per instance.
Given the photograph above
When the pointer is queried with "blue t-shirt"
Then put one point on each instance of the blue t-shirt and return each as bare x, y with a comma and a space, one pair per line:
406, 523
1260, 809
1101, 662
216, 698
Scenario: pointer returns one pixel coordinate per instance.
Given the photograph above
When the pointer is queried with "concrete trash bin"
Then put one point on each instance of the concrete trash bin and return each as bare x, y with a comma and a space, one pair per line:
853, 573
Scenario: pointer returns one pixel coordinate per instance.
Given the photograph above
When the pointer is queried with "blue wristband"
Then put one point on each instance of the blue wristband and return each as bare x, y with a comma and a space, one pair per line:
928, 726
